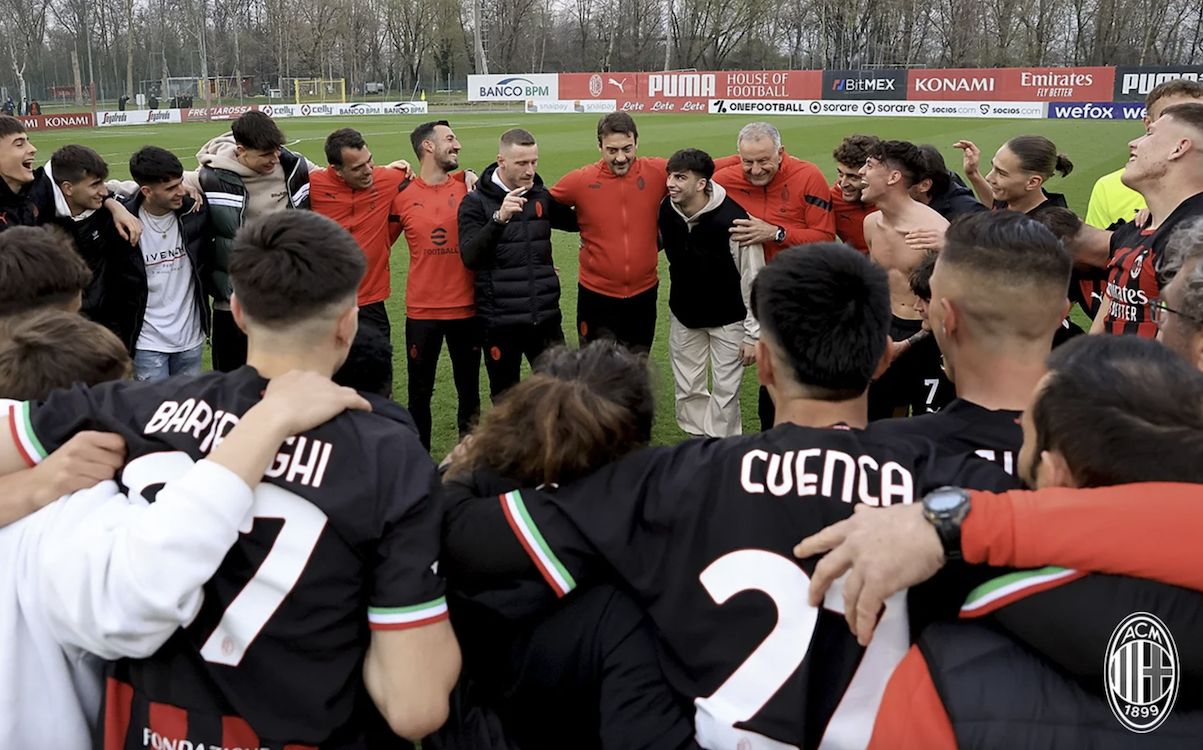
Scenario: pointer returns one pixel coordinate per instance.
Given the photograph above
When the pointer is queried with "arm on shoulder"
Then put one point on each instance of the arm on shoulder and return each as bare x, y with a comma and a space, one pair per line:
410, 673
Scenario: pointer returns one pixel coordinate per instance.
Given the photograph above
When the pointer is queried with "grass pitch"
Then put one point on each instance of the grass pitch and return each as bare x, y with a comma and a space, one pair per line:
568, 141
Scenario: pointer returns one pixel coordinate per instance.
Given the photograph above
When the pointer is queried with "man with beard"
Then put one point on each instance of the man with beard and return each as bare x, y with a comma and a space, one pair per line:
618, 282
357, 194
850, 211
439, 299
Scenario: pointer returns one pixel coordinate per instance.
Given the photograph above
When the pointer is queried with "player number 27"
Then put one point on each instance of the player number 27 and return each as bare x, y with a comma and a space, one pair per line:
779, 655
250, 610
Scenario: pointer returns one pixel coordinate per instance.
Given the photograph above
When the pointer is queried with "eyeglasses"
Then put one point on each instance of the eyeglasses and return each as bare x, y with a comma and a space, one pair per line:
1162, 311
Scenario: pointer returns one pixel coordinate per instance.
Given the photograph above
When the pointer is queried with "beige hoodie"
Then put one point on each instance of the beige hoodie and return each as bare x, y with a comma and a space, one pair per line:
265, 193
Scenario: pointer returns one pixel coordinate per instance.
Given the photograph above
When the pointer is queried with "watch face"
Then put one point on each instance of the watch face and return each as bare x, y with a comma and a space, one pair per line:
942, 501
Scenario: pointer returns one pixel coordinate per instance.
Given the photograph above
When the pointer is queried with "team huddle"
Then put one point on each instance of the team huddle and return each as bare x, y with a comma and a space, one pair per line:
955, 502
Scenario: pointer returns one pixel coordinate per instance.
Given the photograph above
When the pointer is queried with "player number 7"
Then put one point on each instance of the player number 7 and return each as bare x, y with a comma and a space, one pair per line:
249, 612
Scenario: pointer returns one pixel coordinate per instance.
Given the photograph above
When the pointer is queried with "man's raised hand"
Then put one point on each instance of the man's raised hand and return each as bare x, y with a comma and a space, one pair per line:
882, 550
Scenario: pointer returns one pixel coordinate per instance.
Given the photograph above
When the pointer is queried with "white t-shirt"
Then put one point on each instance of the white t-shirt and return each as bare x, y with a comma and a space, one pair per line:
172, 322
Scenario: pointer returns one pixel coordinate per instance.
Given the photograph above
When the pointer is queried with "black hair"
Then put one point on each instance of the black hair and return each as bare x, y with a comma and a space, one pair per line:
424, 132
74, 162
692, 160
616, 122
10, 125
39, 267
827, 308
920, 277
903, 156
340, 139
1062, 222
1008, 247
1039, 155
151, 165
369, 363
287, 266
1121, 409
935, 169
257, 132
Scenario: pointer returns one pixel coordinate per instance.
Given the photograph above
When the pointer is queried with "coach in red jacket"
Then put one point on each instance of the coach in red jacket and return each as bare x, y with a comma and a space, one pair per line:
787, 199
788, 203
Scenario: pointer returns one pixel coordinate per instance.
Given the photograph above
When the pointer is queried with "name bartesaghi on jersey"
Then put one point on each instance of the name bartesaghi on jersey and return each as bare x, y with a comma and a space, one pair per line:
301, 460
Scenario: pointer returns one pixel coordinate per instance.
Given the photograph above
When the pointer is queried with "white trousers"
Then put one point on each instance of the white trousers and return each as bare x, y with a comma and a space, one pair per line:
713, 411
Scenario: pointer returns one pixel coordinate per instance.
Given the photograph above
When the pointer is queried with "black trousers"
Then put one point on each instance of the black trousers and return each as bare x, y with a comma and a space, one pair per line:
227, 342
505, 346
375, 330
423, 345
586, 676
915, 383
630, 321
765, 410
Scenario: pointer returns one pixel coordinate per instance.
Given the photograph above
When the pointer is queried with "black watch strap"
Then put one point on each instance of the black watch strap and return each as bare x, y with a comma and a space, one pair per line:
945, 509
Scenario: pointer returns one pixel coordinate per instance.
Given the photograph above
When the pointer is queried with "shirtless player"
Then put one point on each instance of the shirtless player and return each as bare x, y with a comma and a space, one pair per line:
915, 381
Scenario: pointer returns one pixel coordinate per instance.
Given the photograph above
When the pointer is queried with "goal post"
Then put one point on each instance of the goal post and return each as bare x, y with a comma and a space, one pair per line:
320, 90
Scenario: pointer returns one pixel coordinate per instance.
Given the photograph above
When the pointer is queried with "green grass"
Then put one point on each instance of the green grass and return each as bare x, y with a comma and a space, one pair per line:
568, 141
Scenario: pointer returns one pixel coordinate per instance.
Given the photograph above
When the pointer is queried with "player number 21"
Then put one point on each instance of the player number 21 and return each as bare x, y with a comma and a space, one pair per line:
246, 615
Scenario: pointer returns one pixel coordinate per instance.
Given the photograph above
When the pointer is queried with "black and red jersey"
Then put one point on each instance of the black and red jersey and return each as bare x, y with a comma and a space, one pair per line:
702, 534
342, 535
1133, 282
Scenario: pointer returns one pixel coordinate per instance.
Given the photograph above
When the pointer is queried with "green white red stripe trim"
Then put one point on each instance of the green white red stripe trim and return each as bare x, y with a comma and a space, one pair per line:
1004, 590
523, 526
400, 618
27, 442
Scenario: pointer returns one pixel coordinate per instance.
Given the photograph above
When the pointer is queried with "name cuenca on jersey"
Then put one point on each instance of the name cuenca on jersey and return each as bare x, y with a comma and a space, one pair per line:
341, 537
702, 535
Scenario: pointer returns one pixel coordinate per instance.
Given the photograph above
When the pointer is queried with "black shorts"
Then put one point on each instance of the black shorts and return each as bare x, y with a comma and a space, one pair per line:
915, 383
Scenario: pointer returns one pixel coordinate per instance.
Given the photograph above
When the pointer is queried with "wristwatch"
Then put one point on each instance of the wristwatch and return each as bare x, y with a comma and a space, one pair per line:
497, 217
780, 236
945, 508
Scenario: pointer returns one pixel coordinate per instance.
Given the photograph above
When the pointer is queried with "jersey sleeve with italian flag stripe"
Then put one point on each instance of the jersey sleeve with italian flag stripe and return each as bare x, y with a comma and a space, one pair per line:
406, 592
38, 429
1086, 609
561, 555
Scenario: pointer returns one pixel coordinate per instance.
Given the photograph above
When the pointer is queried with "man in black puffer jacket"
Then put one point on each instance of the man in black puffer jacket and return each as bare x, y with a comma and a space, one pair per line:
505, 237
